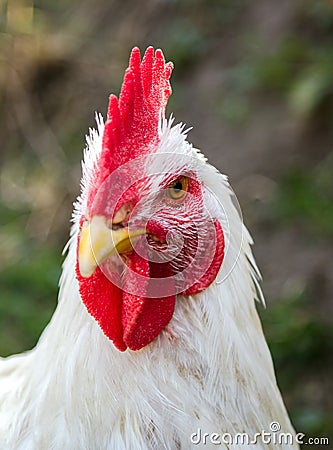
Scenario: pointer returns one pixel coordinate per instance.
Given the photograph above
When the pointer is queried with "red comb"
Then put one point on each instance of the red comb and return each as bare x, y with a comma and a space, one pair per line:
131, 127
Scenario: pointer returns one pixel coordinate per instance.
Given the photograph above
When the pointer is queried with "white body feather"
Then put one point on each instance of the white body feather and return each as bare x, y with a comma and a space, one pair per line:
210, 369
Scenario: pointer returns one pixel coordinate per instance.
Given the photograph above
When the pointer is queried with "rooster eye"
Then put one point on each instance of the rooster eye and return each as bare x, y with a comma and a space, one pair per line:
177, 189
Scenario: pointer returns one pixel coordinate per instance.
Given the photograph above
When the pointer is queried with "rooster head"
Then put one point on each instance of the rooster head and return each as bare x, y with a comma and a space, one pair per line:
145, 233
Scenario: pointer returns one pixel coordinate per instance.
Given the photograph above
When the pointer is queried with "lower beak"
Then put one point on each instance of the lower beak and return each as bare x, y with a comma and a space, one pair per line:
98, 242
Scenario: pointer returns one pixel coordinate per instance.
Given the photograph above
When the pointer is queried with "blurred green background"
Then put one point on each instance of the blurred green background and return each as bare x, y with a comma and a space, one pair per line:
255, 80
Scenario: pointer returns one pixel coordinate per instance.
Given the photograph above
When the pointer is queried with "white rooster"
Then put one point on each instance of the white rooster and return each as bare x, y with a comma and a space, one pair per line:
156, 342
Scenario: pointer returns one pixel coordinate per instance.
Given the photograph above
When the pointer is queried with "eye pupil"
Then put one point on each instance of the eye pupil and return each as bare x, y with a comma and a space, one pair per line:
177, 186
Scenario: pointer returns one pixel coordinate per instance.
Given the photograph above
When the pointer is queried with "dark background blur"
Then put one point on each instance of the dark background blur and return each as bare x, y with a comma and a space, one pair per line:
255, 80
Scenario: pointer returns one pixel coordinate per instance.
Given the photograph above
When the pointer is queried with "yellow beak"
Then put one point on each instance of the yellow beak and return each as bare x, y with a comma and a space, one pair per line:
98, 242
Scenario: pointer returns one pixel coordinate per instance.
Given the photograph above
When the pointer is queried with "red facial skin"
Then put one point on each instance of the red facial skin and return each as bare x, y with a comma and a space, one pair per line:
131, 131
133, 321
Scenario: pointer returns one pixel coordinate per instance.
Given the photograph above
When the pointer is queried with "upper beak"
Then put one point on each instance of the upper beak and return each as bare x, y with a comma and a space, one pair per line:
98, 241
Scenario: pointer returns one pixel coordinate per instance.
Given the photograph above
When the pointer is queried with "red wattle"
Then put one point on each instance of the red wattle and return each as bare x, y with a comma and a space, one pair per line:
135, 319
144, 316
103, 301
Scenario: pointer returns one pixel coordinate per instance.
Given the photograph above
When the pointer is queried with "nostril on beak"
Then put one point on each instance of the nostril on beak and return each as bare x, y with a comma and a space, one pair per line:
121, 216
116, 226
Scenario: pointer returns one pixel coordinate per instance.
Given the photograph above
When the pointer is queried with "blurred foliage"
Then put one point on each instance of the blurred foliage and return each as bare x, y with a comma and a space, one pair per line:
185, 44
307, 198
302, 348
27, 298
297, 70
